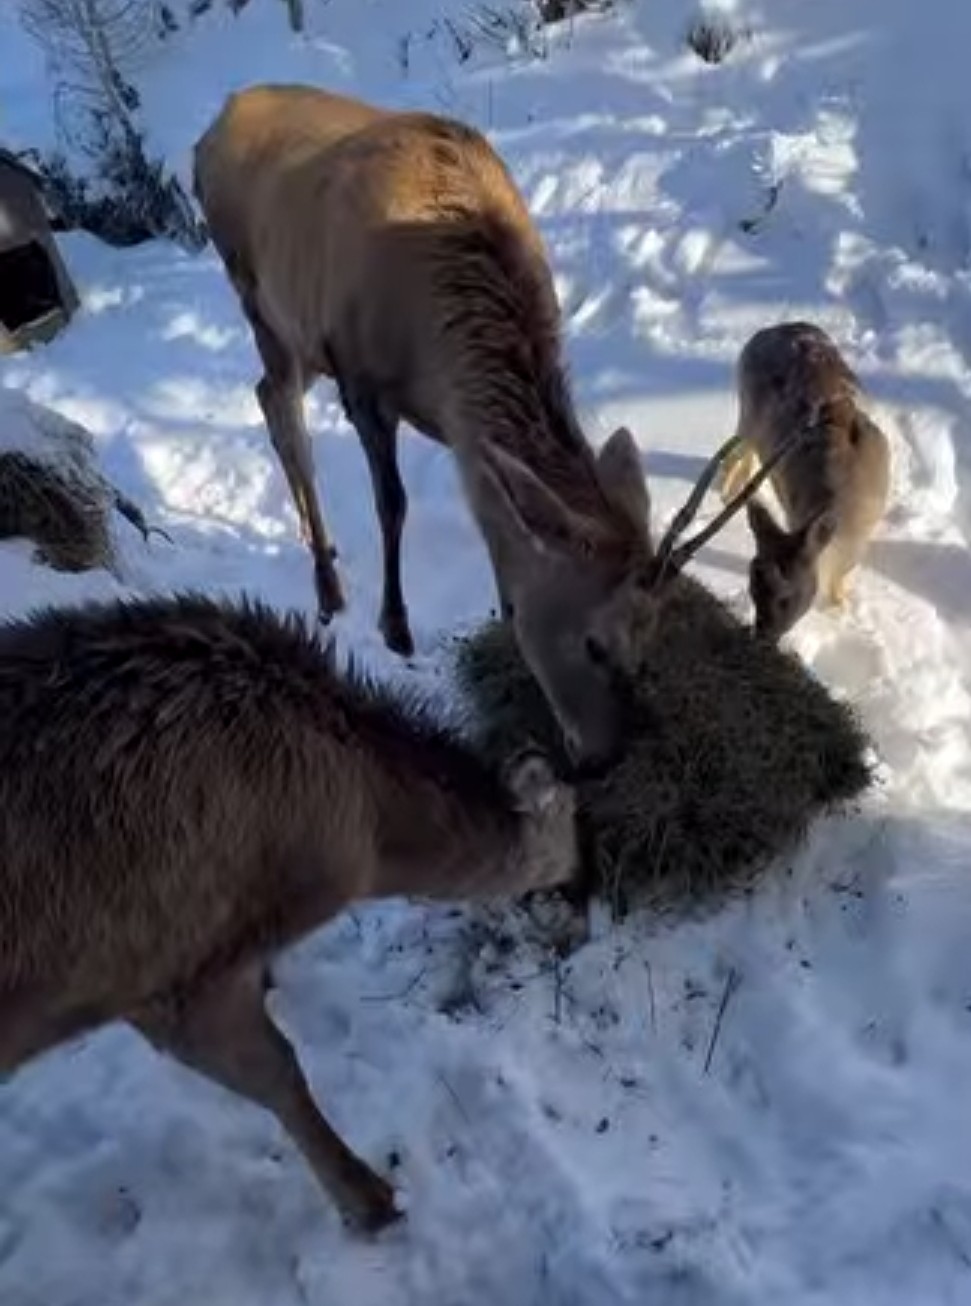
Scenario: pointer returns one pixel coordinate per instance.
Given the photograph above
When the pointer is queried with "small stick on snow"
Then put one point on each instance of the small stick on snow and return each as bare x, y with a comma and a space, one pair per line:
410, 987
454, 1096
650, 994
731, 984
557, 992
132, 513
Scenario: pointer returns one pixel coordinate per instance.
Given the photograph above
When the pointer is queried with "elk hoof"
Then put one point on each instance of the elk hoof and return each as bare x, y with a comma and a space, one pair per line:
330, 596
373, 1207
397, 635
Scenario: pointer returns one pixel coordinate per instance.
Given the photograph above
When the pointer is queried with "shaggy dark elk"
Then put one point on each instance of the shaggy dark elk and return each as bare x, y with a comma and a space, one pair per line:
833, 488
392, 252
187, 788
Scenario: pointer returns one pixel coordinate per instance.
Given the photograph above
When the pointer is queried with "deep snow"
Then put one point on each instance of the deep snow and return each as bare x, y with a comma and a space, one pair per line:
560, 1139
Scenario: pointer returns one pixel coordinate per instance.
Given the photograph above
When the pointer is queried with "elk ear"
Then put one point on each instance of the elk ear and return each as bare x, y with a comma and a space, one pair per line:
767, 531
522, 511
622, 478
817, 532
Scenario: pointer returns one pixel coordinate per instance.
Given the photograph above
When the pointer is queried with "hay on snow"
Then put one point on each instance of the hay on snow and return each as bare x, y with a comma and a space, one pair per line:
52, 492
735, 749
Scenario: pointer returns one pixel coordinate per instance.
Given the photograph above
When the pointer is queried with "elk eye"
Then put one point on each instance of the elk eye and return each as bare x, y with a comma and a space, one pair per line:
596, 652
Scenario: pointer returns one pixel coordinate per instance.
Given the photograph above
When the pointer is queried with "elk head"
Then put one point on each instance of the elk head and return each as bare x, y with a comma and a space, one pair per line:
579, 608
783, 575
584, 609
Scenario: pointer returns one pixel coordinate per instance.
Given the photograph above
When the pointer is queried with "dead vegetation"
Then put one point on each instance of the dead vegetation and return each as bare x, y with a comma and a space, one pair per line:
738, 749
113, 188
713, 37
65, 513
53, 493
558, 11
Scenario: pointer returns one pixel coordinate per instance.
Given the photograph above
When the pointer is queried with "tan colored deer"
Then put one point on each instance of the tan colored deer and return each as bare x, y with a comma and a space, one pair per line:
186, 788
393, 252
833, 488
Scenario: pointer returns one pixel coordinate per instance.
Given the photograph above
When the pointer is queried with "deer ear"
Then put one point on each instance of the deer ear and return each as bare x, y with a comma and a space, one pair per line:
623, 481
521, 510
818, 531
511, 542
767, 531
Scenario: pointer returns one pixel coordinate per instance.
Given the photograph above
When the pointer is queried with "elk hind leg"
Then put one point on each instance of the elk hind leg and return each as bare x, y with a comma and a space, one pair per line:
225, 1033
378, 432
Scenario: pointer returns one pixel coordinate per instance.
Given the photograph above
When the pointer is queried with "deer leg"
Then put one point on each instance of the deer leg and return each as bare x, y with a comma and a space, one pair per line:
280, 393
225, 1033
835, 569
839, 591
378, 431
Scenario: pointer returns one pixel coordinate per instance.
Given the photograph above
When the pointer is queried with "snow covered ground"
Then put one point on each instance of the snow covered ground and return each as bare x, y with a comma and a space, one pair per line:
561, 1140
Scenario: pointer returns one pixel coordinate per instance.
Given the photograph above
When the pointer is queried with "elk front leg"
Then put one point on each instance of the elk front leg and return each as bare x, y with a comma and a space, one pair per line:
835, 589
280, 393
224, 1032
282, 404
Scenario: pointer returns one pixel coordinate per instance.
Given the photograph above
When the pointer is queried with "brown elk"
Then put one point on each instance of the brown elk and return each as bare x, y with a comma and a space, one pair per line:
187, 787
392, 252
792, 379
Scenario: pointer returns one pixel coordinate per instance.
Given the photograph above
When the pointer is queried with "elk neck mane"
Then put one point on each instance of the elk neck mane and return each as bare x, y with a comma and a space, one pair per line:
499, 323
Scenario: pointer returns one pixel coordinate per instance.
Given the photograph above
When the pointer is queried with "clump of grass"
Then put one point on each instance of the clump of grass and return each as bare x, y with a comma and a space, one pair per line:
713, 37
64, 512
736, 749
558, 11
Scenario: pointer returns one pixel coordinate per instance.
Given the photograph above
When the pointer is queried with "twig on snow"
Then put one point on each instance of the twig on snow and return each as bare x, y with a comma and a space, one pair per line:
731, 984
557, 991
410, 987
650, 994
454, 1096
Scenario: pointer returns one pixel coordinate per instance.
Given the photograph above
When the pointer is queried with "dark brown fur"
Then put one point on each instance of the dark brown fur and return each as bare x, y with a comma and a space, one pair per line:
187, 787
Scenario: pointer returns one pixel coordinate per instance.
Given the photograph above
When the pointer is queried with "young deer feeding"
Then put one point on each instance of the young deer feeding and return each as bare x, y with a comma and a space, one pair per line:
189, 787
392, 252
833, 486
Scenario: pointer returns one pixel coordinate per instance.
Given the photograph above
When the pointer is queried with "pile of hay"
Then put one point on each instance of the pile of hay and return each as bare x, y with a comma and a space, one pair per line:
52, 492
737, 749
63, 513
